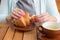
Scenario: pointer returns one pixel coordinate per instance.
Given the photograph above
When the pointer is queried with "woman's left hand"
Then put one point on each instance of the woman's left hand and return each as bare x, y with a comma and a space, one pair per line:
45, 17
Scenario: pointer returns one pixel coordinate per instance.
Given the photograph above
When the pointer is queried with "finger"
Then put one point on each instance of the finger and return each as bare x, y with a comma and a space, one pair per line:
46, 20
8, 17
49, 19
44, 14
52, 19
13, 21
16, 14
44, 17
20, 11
13, 16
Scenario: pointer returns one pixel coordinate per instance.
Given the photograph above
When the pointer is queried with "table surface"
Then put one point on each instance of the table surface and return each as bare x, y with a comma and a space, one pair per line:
7, 33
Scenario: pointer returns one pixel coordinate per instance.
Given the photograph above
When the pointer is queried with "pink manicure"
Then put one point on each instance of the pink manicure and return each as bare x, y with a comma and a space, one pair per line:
23, 14
36, 18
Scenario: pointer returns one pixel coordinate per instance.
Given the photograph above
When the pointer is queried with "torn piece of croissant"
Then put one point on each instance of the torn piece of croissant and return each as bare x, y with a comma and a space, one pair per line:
27, 18
32, 20
20, 22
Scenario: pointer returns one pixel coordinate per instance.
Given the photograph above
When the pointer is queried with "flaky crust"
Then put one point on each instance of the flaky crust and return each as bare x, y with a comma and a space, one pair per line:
24, 21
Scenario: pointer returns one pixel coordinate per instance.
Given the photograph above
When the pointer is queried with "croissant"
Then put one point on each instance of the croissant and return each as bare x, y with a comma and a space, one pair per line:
27, 18
24, 21
20, 22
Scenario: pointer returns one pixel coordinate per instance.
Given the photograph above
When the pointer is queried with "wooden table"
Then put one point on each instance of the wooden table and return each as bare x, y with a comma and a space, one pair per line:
7, 33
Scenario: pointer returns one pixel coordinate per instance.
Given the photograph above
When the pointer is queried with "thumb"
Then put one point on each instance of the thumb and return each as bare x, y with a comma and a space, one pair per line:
36, 19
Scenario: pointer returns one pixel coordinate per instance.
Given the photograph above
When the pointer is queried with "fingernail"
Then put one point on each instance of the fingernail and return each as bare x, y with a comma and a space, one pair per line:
37, 19
23, 14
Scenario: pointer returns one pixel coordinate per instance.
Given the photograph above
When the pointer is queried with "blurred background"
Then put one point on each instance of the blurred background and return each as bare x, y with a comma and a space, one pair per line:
7, 4
57, 1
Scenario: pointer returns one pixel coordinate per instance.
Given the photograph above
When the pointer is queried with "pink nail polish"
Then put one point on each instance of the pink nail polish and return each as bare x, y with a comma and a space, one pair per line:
36, 19
23, 14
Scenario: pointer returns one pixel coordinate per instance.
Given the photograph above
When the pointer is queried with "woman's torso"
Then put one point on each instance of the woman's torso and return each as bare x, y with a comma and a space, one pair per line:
8, 5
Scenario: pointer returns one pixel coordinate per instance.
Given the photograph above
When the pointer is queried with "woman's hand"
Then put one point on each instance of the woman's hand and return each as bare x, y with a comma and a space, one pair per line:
45, 17
15, 14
